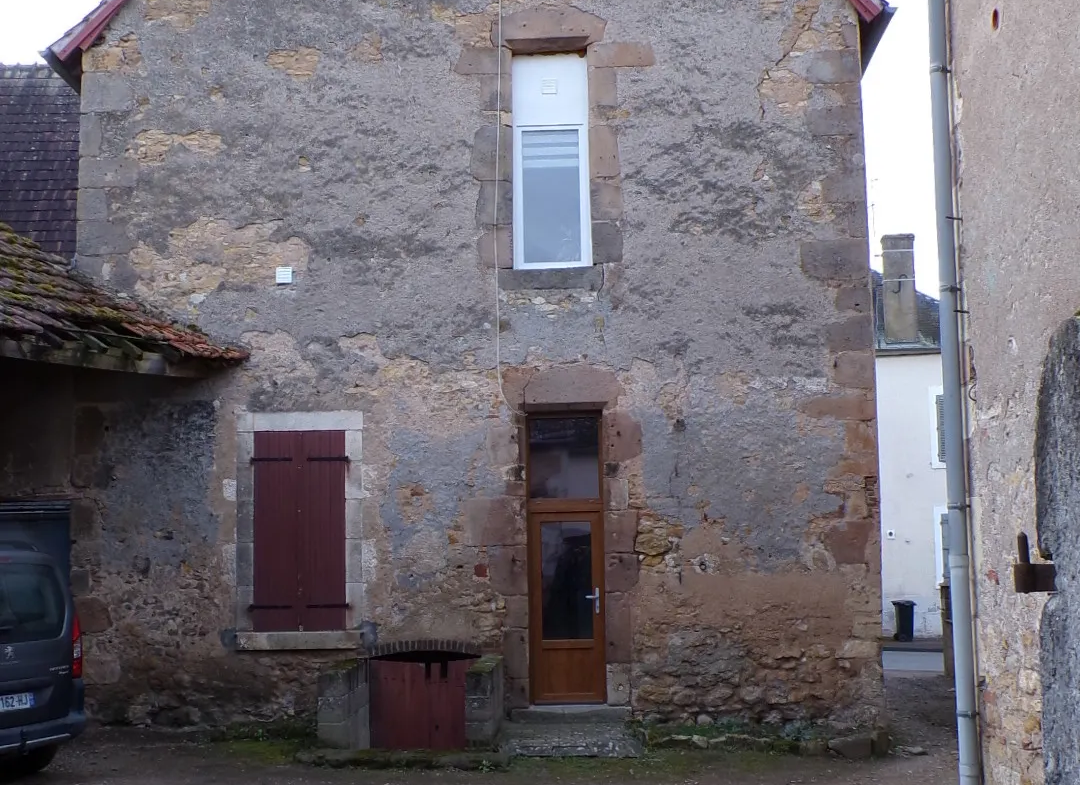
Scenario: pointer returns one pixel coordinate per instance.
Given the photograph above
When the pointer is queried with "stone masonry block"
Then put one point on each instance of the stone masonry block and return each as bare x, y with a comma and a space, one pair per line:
494, 206
507, 570
620, 531
502, 445
606, 200
607, 242
516, 653
618, 684
618, 627
853, 334
834, 260
854, 298
622, 436
104, 92
854, 369
107, 172
835, 121
548, 25
603, 88
101, 238
829, 67
625, 54
93, 205
603, 151
496, 94
494, 248
617, 492
517, 612
494, 521
622, 572
484, 158
572, 384
845, 185
90, 135
476, 61
852, 406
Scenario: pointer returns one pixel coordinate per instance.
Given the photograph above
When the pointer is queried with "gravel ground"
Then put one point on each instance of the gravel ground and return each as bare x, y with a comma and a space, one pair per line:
921, 707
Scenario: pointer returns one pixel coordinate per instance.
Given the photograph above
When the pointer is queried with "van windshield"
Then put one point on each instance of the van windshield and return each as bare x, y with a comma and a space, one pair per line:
31, 603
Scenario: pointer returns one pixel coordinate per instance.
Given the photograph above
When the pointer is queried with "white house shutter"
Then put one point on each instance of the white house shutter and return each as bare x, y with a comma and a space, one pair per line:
939, 408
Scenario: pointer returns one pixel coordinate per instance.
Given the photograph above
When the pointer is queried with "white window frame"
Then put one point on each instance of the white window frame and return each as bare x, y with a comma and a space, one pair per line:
935, 436
528, 112
940, 545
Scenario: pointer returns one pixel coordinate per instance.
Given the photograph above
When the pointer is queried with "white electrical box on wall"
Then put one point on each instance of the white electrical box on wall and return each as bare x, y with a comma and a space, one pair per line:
283, 275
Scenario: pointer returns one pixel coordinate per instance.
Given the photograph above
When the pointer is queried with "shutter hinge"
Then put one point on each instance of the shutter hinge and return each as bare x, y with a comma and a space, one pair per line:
1031, 578
341, 458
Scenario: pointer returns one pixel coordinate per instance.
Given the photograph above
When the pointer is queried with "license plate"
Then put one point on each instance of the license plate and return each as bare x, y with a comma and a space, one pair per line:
20, 700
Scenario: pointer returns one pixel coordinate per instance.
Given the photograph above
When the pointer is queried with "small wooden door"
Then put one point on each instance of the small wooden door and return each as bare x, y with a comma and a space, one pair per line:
418, 705
566, 560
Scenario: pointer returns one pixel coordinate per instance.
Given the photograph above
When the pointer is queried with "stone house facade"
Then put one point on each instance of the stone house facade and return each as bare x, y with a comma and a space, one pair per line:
1019, 231
571, 357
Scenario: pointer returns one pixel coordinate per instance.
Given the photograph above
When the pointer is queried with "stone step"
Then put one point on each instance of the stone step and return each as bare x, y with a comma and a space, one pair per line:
574, 713
569, 740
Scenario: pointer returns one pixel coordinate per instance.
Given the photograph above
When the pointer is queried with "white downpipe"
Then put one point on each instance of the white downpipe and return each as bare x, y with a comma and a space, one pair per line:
955, 446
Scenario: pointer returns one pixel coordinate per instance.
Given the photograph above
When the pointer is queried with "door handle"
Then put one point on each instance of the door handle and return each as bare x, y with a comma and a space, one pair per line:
595, 597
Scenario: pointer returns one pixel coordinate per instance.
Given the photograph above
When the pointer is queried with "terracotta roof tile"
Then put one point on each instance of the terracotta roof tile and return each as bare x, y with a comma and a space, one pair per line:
42, 298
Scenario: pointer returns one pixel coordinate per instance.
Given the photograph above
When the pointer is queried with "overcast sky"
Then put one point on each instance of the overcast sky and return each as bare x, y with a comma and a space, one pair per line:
31, 25
896, 103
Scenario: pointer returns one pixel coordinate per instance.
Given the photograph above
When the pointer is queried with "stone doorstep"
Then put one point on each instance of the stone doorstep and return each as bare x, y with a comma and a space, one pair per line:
583, 713
569, 740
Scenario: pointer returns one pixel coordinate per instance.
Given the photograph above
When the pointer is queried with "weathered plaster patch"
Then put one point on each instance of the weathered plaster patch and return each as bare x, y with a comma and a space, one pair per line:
151, 147
300, 63
208, 253
369, 50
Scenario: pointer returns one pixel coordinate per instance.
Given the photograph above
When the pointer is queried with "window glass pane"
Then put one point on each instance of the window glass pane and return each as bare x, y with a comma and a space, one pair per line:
564, 458
551, 196
31, 604
566, 580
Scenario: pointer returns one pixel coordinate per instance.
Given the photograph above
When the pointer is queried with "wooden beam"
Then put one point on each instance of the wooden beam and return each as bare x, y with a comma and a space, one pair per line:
122, 343
76, 355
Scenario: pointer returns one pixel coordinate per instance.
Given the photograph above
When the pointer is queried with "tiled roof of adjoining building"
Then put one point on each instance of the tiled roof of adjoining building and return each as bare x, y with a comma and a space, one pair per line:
50, 312
39, 156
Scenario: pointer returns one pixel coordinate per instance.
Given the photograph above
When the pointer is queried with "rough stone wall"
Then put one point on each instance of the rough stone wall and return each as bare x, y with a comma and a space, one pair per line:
726, 327
1019, 233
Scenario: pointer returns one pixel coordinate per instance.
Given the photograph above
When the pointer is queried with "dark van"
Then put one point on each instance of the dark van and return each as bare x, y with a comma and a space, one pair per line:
41, 687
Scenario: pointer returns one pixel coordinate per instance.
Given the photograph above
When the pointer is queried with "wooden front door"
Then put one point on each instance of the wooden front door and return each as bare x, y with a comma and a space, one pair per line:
566, 560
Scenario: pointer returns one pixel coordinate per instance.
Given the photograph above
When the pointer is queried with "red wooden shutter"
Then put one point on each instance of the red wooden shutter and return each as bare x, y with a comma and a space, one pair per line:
321, 521
277, 464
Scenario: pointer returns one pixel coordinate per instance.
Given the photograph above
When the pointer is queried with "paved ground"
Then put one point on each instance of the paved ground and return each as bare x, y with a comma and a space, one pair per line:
921, 707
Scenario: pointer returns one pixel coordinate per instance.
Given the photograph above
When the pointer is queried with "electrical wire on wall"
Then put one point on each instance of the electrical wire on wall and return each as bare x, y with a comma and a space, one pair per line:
495, 215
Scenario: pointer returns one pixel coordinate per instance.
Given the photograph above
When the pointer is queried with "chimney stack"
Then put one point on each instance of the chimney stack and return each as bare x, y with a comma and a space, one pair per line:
898, 288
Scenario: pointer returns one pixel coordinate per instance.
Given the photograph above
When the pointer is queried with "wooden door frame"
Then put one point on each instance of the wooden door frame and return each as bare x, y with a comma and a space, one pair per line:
539, 511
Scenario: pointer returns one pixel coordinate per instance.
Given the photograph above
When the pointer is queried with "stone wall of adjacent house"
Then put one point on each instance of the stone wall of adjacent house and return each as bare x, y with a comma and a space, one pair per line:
1019, 236
725, 329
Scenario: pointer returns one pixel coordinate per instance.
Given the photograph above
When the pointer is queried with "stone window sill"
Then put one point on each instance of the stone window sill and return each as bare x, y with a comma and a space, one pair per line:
589, 278
296, 641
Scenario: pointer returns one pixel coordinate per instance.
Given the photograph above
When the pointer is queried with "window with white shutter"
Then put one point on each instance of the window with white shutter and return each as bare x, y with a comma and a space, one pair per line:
937, 411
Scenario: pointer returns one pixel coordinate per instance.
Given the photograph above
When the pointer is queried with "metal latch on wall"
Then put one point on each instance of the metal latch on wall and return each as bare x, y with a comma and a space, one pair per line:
1031, 578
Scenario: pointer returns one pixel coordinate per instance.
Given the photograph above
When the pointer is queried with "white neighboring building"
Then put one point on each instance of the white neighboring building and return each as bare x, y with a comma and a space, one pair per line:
910, 449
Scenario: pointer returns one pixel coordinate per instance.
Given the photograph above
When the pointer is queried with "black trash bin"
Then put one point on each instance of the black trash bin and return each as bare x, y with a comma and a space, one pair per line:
905, 620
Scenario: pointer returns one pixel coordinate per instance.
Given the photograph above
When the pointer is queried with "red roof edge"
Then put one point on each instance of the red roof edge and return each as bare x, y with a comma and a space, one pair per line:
869, 10
65, 55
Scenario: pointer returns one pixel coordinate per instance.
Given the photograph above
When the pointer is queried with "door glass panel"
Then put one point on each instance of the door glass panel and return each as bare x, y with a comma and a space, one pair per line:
564, 458
566, 580
551, 195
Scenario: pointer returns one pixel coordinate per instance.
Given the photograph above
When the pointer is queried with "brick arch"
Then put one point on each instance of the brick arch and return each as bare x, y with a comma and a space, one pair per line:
423, 650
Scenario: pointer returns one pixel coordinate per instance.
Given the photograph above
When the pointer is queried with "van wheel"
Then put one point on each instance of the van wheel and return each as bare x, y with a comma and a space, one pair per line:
34, 761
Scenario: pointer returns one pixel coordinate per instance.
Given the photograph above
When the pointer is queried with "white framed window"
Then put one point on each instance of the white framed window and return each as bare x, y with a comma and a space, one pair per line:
937, 432
552, 216
941, 544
